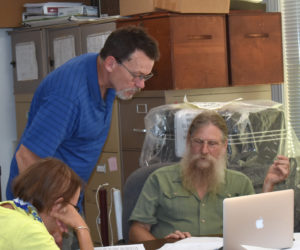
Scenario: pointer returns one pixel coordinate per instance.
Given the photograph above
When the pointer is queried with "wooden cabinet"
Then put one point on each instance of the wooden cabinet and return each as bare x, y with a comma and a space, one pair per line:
193, 50
208, 51
255, 48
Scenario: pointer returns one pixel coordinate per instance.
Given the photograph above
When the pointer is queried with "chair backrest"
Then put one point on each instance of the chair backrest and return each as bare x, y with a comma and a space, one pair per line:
131, 192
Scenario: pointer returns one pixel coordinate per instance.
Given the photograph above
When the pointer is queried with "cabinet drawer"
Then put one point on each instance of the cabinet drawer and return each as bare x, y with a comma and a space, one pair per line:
199, 51
255, 48
192, 47
132, 125
130, 163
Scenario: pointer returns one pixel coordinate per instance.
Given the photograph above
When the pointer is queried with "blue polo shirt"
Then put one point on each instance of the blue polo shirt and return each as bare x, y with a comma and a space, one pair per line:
68, 118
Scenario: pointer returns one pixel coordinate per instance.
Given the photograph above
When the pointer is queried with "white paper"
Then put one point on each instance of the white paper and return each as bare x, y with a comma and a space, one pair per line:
95, 42
63, 49
122, 247
195, 243
26, 62
118, 212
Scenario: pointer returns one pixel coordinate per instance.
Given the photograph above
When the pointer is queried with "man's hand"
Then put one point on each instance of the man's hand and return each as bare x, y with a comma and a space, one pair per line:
277, 173
178, 235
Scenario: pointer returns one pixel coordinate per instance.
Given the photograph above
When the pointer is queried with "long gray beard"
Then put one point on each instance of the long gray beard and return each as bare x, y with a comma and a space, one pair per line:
209, 172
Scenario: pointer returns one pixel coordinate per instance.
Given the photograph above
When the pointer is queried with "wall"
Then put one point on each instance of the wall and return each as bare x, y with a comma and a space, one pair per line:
7, 109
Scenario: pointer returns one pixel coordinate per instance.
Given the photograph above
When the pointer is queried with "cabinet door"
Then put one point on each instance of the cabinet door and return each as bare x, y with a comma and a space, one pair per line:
199, 51
23, 103
28, 59
64, 44
255, 48
132, 126
93, 36
157, 26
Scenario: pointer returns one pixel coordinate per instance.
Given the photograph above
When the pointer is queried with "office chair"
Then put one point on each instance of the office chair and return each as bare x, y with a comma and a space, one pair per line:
131, 192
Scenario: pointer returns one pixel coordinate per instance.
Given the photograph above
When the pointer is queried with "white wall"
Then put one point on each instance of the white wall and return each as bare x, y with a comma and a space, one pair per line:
7, 109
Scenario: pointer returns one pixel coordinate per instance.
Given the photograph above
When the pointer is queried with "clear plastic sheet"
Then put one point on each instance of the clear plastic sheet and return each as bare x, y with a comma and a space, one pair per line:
258, 133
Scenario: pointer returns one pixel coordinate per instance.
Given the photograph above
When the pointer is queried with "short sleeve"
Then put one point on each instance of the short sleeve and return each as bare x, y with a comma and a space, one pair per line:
145, 208
52, 123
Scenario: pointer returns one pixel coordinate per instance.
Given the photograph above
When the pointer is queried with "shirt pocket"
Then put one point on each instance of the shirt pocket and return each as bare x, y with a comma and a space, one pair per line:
178, 204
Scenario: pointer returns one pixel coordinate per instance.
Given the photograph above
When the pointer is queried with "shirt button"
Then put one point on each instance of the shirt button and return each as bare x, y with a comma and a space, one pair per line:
203, 204
203, 220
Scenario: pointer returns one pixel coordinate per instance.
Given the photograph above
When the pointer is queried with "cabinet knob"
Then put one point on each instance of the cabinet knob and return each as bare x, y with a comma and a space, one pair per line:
51, 63
13, 63
137, 130
199, 37
141, 108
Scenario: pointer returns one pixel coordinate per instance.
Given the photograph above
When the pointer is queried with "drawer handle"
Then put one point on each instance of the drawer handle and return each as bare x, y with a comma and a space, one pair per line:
199, 37
141, 108
139, 130
257, 35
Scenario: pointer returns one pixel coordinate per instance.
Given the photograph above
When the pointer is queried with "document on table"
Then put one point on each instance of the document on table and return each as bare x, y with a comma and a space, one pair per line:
214, 243
195, 243
122, 247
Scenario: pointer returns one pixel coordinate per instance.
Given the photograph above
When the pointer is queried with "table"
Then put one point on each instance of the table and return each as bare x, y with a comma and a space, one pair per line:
155, 244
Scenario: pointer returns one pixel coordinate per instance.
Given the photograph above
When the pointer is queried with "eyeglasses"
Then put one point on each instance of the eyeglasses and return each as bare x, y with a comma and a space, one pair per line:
75, 206
211, 144
135, 76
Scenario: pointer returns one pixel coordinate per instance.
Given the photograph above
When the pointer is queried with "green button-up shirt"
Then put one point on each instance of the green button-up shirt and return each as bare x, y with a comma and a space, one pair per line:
168, 206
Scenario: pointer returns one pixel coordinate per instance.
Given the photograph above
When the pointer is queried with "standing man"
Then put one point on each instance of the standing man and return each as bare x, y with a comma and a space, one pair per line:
70, 113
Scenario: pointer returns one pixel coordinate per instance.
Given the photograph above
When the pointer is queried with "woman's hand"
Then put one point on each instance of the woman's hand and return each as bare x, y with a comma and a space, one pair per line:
66, 215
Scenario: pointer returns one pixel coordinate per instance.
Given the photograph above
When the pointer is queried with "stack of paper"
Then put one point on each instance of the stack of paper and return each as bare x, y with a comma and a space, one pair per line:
55, 12
50, 8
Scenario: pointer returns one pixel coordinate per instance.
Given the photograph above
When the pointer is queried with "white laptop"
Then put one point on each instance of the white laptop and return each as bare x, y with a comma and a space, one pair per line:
261, 220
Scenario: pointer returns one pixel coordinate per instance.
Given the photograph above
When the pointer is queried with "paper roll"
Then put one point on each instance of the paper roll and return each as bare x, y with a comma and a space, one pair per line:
118, 212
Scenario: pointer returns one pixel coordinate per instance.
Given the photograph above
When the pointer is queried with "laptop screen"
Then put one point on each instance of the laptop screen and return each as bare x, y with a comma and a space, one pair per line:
263, 220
